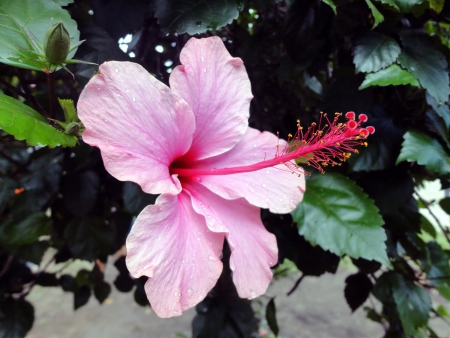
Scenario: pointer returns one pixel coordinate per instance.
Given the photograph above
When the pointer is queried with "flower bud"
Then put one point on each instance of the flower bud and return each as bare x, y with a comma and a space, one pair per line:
57, 44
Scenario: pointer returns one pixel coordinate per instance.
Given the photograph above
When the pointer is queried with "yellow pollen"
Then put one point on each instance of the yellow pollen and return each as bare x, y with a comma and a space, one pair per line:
289, 135
365, 144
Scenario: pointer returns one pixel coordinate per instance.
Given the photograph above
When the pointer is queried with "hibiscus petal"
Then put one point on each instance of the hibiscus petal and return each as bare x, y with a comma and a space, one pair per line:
276, 189
218, 90
170, 243
253, 249
137, 122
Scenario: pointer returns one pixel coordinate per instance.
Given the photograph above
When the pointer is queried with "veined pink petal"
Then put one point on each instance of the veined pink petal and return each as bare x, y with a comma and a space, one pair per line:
137, 122
253, 249
170, 243
218, 90
276, 189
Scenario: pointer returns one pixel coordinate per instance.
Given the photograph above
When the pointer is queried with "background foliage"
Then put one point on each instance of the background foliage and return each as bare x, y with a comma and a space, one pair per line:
384, 58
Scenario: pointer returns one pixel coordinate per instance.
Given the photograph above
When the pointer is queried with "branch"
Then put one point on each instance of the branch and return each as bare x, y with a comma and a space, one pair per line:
427, 205
297, 283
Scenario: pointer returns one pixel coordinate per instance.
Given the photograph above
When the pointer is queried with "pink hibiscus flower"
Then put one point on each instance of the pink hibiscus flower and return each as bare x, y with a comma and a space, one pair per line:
191, 143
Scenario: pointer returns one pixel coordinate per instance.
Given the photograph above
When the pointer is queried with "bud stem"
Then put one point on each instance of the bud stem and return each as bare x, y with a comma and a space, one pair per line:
51, 94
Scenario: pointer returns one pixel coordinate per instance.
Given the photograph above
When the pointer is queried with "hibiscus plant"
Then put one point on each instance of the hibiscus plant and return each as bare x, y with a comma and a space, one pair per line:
205, 147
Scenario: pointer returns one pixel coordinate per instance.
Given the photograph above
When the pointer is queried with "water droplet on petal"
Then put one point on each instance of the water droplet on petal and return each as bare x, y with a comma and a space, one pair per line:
198, 179
221, 255
255, 145
176, 294
211, 258
267, 171
201, 57
134, 99
190, 292
253, 294
116, 70
204, 70
264, 185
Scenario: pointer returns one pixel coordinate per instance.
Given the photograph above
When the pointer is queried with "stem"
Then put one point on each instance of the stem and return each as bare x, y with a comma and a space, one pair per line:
6, 265
297, 283
51, 94
30, 96
426, 204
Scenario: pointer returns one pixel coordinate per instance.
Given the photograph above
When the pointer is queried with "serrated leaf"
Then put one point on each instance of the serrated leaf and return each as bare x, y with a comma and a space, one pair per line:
413, 303
16, 318
68, 107
195, 16
392, 75
374, 51
63, 2
427, 64
377, 16
421, 148
24, 123
331, 4
443, 110
337, 215
25, 21
438, 271
271, 316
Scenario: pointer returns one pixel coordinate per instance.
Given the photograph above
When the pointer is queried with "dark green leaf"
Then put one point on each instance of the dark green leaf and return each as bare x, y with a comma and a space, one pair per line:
7, 187
438, 271
413, 303
337, 215
81, 296
271, 316
80, 191
357, 290
102, 291
426, 226
443, 110
140, 296
16, 318
124, 283
19, 232
405, 218
67, 283
306, 22
24, 123
89, 237
196, 16
331, 4
427, 64
134, 199
68, 107
437, 5
390, 3
32, 252
22, 23
421, 148
392, 75
445, 204
373, 51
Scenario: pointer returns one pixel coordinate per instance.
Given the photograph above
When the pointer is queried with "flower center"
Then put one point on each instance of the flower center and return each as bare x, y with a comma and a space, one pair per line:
317, 147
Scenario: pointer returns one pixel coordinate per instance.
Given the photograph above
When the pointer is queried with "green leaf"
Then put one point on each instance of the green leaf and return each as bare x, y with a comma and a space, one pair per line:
63, 2
406, 5
16, 318
421, 148
442, 311
437, 5
374, 51
24, 123
378, 17
427, 64
331, 4
443, 110
413, 303
271, 316
438, 271
25, 21
392, 75
26, 231
337, 215
70, 113
426, 226
80, 190
195, 16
